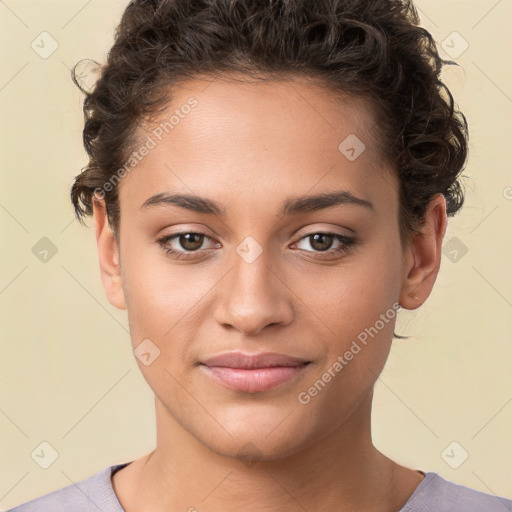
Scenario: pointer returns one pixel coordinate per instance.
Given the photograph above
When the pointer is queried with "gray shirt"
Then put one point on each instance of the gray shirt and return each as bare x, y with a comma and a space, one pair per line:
434, 494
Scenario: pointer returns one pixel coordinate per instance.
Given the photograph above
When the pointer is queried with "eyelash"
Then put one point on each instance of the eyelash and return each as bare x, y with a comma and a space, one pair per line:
346, 244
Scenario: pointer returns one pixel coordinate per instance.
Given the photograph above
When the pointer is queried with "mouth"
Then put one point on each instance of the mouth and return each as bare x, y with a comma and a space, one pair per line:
253, 373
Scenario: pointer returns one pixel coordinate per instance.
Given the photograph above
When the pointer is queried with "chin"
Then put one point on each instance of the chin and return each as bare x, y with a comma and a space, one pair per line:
259, 437
251, 450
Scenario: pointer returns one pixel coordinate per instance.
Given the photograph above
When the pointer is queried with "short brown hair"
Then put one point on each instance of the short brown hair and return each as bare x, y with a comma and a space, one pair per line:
374, 49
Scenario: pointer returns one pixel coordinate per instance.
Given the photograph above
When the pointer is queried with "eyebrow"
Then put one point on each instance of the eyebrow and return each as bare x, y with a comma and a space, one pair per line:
291, 206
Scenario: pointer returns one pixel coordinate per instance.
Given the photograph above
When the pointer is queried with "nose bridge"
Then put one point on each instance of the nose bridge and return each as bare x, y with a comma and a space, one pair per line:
252, 296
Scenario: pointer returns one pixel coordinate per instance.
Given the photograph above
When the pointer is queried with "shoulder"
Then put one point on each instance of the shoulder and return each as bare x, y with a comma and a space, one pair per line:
435, 494
93, 493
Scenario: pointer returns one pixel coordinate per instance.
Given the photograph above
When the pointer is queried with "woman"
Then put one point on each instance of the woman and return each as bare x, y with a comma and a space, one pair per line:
270, 184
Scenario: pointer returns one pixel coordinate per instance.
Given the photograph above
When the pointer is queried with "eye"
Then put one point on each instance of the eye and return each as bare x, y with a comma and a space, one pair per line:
189, 245
179, 244
322, 242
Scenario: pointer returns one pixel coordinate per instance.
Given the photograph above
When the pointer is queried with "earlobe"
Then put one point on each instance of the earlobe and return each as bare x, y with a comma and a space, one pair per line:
423, 256
108, 253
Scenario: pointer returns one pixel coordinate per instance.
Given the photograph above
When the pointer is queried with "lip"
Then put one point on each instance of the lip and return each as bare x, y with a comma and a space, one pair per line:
250, 361
253, 373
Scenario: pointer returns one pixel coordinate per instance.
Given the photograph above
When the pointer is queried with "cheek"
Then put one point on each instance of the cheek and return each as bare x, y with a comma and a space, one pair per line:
352, 296
163, 298
356, 307
150, 290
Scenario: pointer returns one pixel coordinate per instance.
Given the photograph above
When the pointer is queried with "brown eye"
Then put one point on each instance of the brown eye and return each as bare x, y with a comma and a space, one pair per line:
191, 241
321, 241
186, 245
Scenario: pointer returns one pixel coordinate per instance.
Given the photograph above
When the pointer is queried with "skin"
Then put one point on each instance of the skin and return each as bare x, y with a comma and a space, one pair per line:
250, 147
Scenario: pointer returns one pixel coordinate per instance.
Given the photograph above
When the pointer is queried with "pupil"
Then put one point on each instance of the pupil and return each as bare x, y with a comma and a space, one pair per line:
188, 243
322, 236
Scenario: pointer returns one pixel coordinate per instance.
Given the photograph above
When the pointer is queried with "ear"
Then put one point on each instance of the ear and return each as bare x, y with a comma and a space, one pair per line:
423, 256
108, 253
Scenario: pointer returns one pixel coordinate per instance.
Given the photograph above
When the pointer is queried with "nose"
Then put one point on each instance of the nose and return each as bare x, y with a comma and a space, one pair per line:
253, 296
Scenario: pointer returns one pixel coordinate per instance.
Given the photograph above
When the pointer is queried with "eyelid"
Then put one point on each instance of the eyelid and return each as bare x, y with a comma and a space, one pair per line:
172, 236
345, 242
332, 230
297, 234
345, 245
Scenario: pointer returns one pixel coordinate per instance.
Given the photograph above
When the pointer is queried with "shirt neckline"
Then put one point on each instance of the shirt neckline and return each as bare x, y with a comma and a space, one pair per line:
427, 479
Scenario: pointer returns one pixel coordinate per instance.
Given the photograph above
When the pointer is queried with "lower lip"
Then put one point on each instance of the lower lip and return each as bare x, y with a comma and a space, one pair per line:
254, 380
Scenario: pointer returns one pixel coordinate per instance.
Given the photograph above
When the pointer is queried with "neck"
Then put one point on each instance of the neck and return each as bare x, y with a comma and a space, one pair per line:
343, 471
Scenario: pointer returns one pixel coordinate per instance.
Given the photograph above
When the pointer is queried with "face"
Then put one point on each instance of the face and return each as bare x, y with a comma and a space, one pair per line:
257, 267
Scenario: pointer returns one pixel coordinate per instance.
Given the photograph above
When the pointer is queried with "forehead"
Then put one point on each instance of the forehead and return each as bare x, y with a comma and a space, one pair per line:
262, 139
262, 113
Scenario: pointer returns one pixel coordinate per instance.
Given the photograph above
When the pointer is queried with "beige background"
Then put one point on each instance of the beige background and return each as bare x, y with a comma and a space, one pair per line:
67, 373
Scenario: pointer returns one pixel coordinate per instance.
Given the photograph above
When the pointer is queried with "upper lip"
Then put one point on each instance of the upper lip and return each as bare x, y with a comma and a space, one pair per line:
249, 361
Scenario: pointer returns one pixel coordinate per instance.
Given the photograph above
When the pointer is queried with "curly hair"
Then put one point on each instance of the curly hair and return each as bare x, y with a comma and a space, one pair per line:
373, 49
